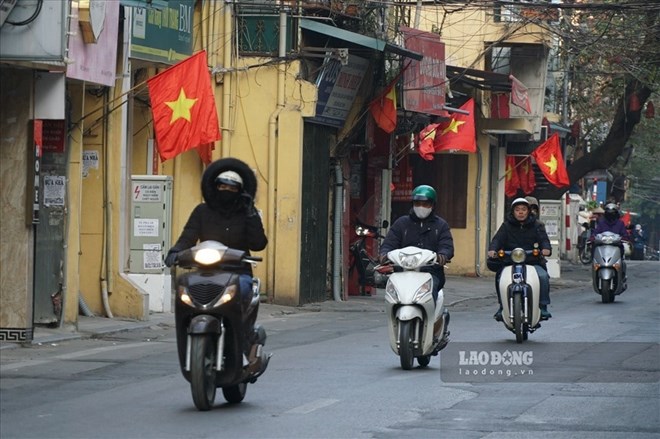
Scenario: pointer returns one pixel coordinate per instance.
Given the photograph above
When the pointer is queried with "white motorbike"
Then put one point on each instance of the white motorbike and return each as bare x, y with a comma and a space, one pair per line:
519, 290
607, 268
417, 324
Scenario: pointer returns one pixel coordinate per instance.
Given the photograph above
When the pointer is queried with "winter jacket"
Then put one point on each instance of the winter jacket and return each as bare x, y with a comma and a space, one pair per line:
615, 226
430, 233
527, 235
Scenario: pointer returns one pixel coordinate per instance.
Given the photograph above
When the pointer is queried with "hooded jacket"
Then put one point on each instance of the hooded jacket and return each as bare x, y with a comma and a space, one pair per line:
236, 225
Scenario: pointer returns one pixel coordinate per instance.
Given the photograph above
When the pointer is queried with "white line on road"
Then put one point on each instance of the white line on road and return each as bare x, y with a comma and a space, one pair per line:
311, 406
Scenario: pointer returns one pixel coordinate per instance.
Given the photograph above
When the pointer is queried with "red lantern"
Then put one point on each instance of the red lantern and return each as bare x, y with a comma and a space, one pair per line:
650, 110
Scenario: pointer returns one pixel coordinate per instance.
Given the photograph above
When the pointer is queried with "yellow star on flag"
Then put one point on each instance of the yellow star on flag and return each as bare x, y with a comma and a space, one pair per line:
453, 126
181, 107
509, 173
552, 164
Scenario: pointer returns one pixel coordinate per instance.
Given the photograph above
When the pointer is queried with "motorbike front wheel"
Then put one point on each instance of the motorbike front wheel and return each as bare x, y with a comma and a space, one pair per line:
406, 344
202, 371
586, 255
518, 324
234, 394
606, 293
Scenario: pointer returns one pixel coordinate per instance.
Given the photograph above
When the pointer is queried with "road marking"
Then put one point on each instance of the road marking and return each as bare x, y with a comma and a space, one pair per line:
70, 356
311, 406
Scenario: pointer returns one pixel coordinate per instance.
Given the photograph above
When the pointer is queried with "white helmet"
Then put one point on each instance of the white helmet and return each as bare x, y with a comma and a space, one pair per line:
230, 178
519, 201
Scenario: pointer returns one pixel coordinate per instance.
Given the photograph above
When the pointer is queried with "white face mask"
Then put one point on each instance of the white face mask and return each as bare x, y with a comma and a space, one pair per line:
422, 212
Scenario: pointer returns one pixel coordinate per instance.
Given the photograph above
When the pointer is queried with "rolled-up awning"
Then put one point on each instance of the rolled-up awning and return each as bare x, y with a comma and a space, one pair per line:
359, 39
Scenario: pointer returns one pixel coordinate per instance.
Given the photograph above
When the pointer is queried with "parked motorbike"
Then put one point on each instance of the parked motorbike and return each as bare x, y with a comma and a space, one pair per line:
519, 290
213, 345
607, 269
584, 245
363, 261
417, 325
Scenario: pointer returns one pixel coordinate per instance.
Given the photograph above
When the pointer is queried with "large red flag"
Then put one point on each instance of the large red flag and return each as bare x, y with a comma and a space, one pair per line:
550, 161
526, 175
183, 107
511, 181
383, 108
459, 132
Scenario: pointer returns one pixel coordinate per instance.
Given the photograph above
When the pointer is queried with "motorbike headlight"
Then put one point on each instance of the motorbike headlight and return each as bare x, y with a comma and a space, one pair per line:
518, 255
185, 297
390, 293
228, 294
410, 261
424, 293
208, 256
360, 231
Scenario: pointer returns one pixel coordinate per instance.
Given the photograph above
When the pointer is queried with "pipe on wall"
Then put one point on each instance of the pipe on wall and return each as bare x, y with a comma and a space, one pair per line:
336, 233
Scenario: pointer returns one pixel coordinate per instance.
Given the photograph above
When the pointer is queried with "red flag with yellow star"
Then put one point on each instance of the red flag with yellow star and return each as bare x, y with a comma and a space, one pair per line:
526, 175
459, 132
550, 161
511, 180
426, 146
183, 107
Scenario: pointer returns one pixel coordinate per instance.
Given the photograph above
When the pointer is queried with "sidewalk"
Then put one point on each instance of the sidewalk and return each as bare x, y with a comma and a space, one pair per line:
457, 290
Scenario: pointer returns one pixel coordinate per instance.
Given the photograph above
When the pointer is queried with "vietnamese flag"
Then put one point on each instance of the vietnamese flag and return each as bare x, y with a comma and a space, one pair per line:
459, 132
526, 175
183, 107
511, 181
550, 161
426, 146
383, 109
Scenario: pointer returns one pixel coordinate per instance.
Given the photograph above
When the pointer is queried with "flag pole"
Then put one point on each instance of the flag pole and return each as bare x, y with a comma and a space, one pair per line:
514, 167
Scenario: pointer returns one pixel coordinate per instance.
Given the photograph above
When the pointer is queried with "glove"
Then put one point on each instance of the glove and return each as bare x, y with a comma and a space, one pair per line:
171, 258
442, 259
249, 205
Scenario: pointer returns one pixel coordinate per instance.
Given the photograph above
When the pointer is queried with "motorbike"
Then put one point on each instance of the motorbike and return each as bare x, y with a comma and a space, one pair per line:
607, 268
363, 261
214, 348
519, 290
584, 245
417, 325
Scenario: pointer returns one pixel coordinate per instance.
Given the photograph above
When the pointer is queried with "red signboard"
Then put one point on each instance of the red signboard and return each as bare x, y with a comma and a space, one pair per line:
53, 135
424, 81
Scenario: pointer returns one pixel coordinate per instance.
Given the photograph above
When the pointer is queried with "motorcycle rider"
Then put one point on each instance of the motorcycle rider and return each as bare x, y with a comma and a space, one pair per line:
229, 216
521, 229
533, 206
424, 229
611, 222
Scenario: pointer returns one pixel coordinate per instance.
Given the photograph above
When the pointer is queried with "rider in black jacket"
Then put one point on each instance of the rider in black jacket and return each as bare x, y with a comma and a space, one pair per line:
422, 228
521, 229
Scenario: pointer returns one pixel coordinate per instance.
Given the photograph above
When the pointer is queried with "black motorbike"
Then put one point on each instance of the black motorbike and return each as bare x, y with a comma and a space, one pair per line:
214, 346
585, 246
362, 261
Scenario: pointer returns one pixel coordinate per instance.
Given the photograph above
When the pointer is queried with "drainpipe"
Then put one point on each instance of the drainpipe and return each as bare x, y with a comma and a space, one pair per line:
477, 214
272, 156
226, 81
336, 234
107, 283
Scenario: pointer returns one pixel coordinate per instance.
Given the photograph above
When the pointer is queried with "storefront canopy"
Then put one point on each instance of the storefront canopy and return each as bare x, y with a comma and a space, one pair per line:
359, 39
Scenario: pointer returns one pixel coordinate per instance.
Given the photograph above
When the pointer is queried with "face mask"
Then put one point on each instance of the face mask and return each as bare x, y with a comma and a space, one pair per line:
422, 212
227, 197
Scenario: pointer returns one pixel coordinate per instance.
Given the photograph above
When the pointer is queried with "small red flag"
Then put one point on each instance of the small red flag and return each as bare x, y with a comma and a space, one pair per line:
183, 107
511, 181
550, 161
383, 109
459, 132
426, 146
526, 175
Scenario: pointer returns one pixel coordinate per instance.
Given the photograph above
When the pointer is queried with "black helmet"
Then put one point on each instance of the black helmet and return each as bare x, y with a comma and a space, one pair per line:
611, 212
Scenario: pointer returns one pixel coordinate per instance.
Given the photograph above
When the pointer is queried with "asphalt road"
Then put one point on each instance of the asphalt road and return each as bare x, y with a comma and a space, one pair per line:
333, 375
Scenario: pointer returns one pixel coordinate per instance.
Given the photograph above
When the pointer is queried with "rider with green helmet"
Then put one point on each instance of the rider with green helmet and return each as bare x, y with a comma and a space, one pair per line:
422, 228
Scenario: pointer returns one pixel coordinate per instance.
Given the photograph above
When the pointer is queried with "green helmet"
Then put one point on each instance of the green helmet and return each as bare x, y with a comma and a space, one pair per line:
424, 193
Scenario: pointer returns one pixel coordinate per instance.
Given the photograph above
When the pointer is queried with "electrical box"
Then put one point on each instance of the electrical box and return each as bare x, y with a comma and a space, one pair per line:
151, 213
551, 214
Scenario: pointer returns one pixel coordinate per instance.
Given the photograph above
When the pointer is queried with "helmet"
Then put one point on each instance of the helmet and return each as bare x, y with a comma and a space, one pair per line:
611, 212
424, 193
518, 201
532, 201
230, 178
598, 210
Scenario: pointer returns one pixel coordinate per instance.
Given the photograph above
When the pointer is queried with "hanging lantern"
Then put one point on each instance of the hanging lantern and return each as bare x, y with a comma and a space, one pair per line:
650, 110
633, 103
